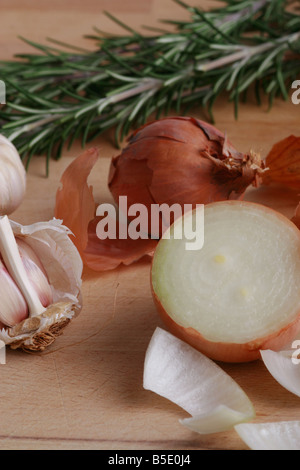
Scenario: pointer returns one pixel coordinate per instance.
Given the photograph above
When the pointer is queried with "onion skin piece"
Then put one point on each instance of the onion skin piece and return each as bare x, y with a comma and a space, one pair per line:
74, 200
181, 160
283, 163
104, 255
75, 205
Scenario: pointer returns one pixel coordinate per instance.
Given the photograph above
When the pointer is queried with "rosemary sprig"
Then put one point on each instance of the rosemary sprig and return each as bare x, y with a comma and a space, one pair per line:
63, 92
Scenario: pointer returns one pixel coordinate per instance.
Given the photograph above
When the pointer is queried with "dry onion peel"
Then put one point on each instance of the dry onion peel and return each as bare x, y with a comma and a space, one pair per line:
176, 371
283, 369
74, 200
63, 265
283, 435
75, 205
283, 163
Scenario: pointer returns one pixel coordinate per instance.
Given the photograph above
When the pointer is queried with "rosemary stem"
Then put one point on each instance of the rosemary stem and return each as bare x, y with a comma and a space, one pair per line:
245, 53
245, 12
149, 84
35, 125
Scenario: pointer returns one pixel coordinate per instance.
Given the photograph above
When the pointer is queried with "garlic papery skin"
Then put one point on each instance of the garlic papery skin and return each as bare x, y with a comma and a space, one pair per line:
63, 266
13, 308
12, 177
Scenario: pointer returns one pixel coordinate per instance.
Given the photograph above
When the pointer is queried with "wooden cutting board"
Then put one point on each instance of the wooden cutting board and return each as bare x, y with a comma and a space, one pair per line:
85, 392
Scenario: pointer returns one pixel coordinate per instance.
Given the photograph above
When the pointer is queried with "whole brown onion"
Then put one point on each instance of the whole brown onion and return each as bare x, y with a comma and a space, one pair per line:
181, 160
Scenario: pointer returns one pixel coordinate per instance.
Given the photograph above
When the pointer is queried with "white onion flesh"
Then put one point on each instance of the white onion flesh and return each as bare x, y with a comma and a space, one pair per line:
183, 375
283, 369
284, 435
242, 285
221, 419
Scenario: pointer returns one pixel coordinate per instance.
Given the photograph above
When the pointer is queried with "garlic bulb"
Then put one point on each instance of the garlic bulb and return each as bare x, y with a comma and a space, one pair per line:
40, 283
12, 177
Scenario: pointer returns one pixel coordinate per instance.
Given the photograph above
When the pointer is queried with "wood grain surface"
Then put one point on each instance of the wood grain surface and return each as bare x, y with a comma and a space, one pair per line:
85, 392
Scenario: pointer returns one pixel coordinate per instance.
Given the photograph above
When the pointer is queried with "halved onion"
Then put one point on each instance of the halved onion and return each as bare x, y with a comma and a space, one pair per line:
283, 435
282, 367
240, 292
180, 373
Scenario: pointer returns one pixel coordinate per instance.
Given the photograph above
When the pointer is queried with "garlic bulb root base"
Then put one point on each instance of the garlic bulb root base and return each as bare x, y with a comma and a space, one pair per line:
34, 334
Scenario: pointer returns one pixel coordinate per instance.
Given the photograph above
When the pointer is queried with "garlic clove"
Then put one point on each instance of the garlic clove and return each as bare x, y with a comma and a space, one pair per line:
35, 272
12, 177
13, 308
13, 262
